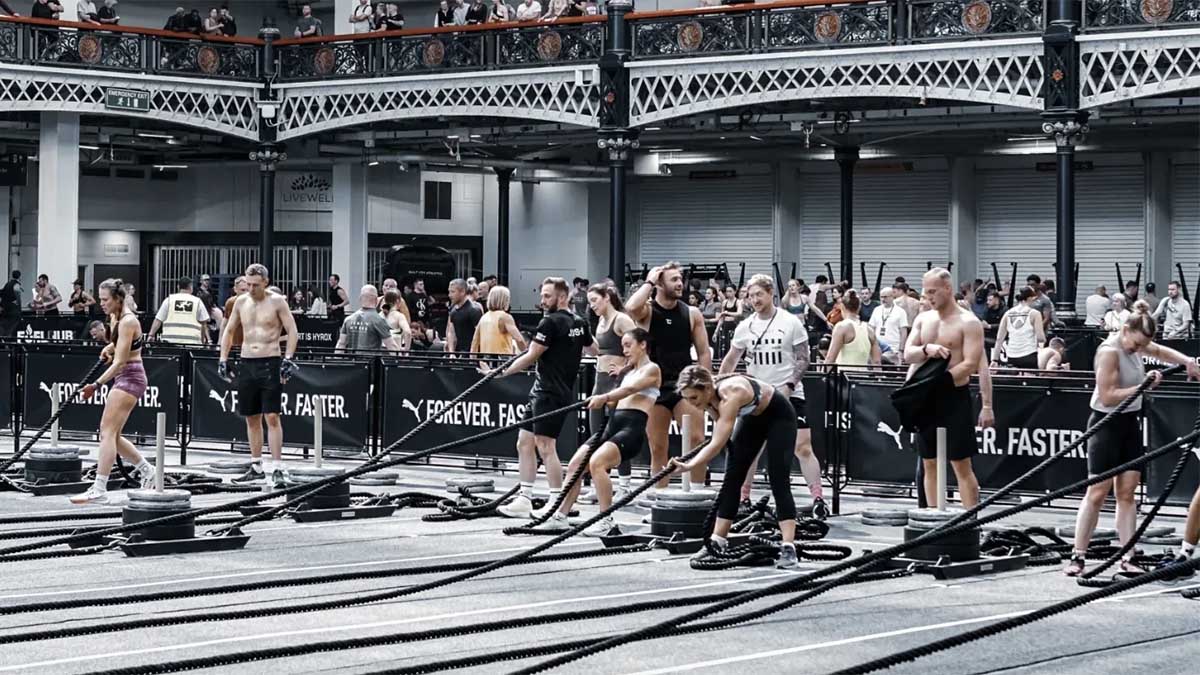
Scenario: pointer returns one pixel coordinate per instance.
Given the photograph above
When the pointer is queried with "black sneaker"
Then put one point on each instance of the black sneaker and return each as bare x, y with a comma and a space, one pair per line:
254, 475
820, 510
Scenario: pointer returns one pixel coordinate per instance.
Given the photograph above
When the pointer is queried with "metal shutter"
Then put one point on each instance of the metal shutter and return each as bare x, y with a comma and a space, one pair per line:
902, 219
709, 221
1017, 223
1185, 218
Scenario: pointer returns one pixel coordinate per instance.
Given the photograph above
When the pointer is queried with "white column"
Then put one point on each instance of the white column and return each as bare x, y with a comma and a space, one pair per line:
963, 219
5, 239
58, 202
341, 17
1159, 235
350, 227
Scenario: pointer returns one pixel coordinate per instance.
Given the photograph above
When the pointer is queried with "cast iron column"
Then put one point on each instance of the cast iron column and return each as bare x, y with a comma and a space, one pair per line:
846, 158
269, 153
1066, 124
616, 138
503, 181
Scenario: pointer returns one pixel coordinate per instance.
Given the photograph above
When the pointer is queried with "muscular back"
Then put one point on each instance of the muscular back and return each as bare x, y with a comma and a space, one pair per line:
260, 324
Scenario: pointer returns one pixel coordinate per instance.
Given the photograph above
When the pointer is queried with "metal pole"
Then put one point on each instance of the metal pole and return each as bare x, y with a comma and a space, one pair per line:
846, 158
266, 217
55, 389
503, 183
616, 239
318, 441
941, 468
160, 450
686, 446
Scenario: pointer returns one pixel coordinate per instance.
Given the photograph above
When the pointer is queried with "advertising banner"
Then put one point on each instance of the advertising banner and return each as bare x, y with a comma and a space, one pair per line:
1170, 417
345, 406
44, 369
6, 381
317, 332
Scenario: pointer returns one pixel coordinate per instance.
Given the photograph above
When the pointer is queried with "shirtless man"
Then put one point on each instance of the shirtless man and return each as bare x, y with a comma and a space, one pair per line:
675, 328
1051, 358
260, 318
949, 332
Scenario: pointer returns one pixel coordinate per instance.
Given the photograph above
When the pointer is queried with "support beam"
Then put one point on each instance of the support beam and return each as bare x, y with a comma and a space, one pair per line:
963, 220
58, 202
1065, 131
617, 139
350, 226
846, 159
503, 183
1159, 227
616, 235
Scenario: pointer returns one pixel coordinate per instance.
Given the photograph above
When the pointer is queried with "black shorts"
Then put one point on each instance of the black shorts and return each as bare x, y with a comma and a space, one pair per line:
625, 429
801, 408
668, 398
541, 403
1115, 443
1027, 362
955, 411
259, 389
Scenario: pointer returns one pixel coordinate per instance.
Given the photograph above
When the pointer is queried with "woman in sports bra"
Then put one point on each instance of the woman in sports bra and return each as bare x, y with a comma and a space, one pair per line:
794, 302
497, 331
625, 433
396, 321
1021, 333
128, 378
765, 420
853, 343
610, 362
727, 320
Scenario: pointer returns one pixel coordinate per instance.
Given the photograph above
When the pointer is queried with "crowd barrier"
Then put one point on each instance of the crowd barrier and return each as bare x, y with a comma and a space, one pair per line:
367, 401
312, 332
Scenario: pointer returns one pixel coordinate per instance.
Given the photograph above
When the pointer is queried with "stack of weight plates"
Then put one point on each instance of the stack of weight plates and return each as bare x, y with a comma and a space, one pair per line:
146, 505
959, 547
336, 496
46, 464
476, 484
1097, 534
885, 517
230, 466
679, 512
376, 478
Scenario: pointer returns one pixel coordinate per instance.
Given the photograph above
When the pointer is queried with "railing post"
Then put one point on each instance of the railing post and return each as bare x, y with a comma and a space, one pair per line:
901, 28
269, 153
616, 137
758, 31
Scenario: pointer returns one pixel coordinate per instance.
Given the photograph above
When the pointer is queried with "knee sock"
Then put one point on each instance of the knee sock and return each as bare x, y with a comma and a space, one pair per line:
144, 467
554, 496
526, 490
623, 482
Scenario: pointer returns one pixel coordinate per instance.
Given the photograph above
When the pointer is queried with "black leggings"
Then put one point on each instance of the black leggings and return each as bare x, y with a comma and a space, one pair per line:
604, 384
776, 426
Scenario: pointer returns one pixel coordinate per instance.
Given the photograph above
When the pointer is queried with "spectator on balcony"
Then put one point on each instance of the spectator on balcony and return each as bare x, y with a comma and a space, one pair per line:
6, 9
477, 13
394, 20
87, 12
308, 25
529, 10
108, 13
444, 16
176, 23
360, 17
193, 23
212, 23
555, 9
228, 24
460, 13
576, 8
46, 9
502, 12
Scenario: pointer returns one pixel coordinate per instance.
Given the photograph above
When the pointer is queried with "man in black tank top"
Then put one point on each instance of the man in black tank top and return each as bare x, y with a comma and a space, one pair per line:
337, 299
675, 329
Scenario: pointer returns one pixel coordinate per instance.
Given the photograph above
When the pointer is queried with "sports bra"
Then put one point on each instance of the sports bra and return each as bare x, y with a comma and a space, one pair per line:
752, 405
652, 392
137, 344
608, 342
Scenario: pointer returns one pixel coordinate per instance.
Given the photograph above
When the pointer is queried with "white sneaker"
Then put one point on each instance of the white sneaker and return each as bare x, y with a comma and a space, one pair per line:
620, 493
558, 521
588, 497
146, 480
600, 528
92, 496
534, 515
520, 507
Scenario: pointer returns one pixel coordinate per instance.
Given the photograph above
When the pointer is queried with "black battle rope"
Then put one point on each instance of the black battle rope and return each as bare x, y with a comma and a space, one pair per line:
289, 582
962, 522
188, 515
551, 509
62, 407
1166, 572
478, 507
375, 462
439, 633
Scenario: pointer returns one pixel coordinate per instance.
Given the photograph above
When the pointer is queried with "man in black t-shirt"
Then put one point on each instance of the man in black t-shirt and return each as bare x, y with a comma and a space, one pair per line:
418, 301
560, 340
465, 314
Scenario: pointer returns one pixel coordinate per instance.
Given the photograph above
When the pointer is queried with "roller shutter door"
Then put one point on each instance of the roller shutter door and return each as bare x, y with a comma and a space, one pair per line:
902, 219
1185, 219
1016, 223
709, 221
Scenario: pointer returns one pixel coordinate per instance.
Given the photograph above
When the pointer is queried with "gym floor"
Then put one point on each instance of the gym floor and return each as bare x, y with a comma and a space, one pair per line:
1151, 629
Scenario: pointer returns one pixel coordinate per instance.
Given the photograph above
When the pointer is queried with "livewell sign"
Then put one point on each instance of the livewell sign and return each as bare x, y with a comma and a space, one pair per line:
304, 191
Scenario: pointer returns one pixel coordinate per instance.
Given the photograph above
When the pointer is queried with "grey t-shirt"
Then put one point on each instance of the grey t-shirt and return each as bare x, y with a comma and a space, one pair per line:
1043, 304
305, 23
1175, 315
365, 330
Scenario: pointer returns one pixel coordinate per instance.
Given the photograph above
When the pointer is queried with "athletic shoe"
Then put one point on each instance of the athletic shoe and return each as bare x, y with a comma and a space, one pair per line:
146, 480
601, 528
588, 497
538, 513
92, 496
557, 522
1184, 574
1075, 566
278, 479
1128, 566
703, 553
520, 507
787, 559
820, 509
251, 476
620, 493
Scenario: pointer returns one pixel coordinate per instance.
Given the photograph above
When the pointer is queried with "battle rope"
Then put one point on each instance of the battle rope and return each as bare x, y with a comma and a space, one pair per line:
62, 407
964, 521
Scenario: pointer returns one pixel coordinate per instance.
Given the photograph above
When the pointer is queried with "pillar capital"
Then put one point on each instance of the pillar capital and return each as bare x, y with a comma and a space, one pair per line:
1066, 129
618, 144
268, 155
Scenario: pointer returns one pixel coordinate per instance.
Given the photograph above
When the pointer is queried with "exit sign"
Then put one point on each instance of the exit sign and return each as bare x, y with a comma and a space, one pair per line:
134, 100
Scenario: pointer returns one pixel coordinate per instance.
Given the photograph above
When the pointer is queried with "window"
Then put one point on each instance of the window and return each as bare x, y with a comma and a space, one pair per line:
437, 200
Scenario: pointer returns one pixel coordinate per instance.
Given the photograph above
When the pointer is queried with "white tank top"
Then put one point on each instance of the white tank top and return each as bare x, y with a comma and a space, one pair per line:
1022, 338
1132, 372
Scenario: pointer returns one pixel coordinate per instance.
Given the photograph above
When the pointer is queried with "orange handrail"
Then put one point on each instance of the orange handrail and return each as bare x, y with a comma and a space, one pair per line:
477, 28
743, 7
134, 30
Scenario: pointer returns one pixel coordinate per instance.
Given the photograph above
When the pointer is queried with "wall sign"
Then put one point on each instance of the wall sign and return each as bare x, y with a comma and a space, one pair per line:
304, 191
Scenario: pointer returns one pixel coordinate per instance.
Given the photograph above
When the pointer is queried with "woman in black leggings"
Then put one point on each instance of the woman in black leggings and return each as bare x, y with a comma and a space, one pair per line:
763, 416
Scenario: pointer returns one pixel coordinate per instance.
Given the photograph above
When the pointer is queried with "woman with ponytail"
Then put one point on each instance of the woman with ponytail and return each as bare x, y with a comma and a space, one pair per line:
128, 377
853, 343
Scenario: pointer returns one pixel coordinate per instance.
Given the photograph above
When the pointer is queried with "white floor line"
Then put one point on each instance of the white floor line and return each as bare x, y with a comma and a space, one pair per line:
385, 624
278, 570
825, 645
1147, 594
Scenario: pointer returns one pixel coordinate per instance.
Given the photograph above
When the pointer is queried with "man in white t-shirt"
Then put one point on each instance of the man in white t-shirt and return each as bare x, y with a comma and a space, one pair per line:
1177, 311
890, 323
360, 17
774, 345
1096, 306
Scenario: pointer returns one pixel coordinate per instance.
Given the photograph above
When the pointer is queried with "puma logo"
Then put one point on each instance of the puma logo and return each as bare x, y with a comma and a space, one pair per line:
46, 388
409, 405
219, 398
883, 428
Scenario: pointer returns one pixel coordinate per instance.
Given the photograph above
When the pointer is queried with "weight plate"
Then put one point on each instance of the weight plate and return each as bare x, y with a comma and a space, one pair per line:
336, 502
1168, 540
1098, 533
1159, 531
886, 513
156, 496
135, 513
315, 471
659, 513
934, 515
696, 495
61, 449
472, 483
689, 531
964, 538
373, 481
934, 551
53, 464
672, 504
334, 489
229, 466
890, 522
162, 507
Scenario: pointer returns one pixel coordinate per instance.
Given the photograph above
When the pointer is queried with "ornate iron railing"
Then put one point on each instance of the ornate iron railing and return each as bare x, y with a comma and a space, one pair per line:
1127, 14
716, 33
829, 26
567, 43
930, 20
45, 43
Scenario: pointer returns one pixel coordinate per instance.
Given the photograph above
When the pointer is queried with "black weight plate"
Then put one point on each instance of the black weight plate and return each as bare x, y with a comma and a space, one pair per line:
673, 504
49, 478
131, 514
168, 532
335, 502
964, 538
166, 496
53, 465
690, 531
337, 489
677, 515
934, 551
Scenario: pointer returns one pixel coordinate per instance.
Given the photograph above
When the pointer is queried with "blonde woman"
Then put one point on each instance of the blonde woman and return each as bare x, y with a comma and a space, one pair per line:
497, 331
396, 320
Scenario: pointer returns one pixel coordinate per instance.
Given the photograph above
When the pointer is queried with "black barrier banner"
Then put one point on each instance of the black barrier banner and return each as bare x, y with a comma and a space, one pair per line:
1030, 426
314, 331
1170, 417
346, 407
44, 369
64, 327
413, 395
6, 380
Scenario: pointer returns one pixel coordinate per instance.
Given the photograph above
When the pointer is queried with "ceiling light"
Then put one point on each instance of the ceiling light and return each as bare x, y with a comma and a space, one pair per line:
658, 150
147, 134
476, 136
373, 162
722, 138
453, 137
164, 167
755, 138
89, 147
653, 128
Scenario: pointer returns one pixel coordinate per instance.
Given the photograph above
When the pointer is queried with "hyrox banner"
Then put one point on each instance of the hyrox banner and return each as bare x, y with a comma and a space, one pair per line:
341, 391
45, 369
